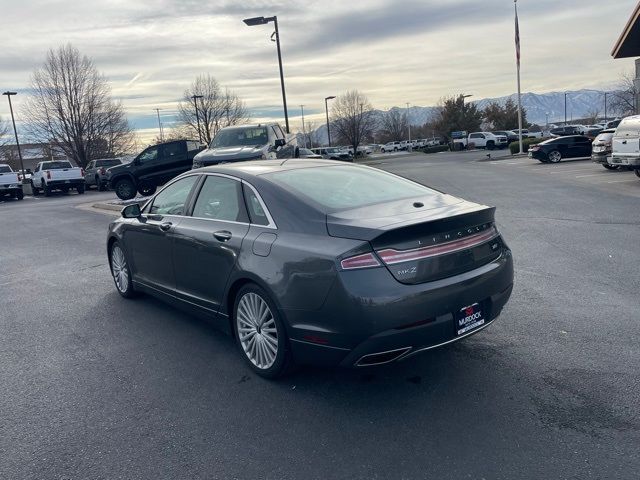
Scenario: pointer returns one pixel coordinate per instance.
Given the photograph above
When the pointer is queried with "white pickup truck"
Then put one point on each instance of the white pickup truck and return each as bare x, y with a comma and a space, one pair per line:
625, 144
10, 182
483, 140
57, 175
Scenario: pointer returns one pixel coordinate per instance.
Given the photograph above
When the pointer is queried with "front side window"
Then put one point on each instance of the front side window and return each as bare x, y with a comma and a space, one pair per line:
220, 198
173, 199
149, 155
90, 166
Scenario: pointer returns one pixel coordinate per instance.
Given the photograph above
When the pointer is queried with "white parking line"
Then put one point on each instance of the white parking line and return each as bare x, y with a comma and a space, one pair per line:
624, 181
602, 174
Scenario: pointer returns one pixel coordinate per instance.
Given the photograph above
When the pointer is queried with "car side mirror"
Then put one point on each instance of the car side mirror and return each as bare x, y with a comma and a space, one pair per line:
131, 211
280, 142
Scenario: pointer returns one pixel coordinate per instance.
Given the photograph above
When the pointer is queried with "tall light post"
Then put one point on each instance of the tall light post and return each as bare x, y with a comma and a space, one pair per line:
15, 131
409, 121
251, 22
326, 109
195, 103
160, 125
565, 109
304, 134
605, 107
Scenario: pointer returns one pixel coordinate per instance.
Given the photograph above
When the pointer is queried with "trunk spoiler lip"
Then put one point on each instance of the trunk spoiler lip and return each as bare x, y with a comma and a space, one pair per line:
369, 229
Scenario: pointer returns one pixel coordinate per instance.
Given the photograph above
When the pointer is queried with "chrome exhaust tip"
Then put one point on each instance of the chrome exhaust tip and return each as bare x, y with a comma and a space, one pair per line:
380, 358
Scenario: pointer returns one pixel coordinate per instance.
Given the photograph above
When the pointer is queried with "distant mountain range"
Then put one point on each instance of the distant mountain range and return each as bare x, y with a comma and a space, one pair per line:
580, 103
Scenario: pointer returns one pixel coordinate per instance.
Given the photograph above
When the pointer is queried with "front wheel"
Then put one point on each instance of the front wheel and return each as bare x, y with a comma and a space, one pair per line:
125, 189
555, 156
34, 190
610, 167
490, 145
120, 271
260, 333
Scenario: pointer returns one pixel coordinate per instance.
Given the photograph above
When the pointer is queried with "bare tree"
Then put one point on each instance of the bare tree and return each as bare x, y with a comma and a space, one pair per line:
625, 97
353, 118
311, 136
5, 134
218, 108
394, 125
592, 116
71, 107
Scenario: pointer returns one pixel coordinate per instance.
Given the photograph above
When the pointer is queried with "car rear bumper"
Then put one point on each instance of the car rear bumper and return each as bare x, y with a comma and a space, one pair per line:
65, 183
10, 188
600, 158
538, 155
358, 327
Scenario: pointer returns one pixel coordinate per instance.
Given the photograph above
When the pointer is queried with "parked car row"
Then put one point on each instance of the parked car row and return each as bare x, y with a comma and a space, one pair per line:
614, 148
409, 144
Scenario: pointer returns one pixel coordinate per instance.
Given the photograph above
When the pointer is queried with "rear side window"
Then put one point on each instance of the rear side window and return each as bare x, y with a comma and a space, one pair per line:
220, 198
347, 187
257, 214
173, 199
5, 169
174, 149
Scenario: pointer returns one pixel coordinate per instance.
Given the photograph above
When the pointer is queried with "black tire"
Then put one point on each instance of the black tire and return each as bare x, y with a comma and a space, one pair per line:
47, 190
125, 189
80, 189
283, 362
100, 185
637, 172
34, 190
554, 156
147, 189
115, 260
19, 195
610, 167
490, 145
65, 190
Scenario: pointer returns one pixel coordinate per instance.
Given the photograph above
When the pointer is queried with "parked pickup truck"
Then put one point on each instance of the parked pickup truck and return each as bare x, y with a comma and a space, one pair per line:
57, 175
10, 182
155, 166
625, 145
484, 140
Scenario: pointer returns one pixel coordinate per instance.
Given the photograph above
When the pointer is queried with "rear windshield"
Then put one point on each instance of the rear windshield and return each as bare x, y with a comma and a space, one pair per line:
5, 169
628, 128
55, 165
346, 187
604, 137
107, 163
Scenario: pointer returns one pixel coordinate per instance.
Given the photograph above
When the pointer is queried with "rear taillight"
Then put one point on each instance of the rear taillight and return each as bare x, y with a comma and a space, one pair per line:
391, 256
82, 172
366, 260
48, 175
103, 171
19, 178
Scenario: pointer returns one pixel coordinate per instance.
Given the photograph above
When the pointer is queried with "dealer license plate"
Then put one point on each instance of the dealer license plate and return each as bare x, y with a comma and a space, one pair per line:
469, 318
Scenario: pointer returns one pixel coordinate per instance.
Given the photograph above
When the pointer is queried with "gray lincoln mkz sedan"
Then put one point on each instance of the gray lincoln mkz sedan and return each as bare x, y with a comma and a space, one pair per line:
314, 261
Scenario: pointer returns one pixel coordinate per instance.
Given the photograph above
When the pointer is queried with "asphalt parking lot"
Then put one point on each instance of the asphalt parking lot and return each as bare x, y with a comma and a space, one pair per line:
95, 386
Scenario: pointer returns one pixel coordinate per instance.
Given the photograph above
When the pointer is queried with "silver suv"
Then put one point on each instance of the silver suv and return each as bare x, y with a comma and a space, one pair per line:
248, 142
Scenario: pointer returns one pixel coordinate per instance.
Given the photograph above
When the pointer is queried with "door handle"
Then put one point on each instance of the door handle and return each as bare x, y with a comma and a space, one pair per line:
222, 235
165, 227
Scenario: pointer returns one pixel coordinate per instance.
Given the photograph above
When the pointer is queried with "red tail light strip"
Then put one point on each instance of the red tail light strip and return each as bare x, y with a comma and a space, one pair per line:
391, 256
366, 260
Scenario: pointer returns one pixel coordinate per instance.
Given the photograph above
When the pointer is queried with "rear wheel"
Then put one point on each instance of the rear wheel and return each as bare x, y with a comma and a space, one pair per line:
47, 190
99, 185
555, 156
19, 195
637, 172
34, 190
125, 189
609, 167
80, 189
260, 333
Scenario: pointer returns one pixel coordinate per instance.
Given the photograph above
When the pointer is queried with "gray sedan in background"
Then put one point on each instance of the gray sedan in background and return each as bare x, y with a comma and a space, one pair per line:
316, 262
96, 172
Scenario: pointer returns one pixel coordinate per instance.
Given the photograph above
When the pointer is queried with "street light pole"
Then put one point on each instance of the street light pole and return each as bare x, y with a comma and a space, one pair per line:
160, 125
195, 103
263, 21
304, 134
565, 109
15, 131
326, 109
605, 108
408, 121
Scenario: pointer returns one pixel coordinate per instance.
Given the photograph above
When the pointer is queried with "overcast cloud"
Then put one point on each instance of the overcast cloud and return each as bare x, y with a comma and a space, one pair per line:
393, 51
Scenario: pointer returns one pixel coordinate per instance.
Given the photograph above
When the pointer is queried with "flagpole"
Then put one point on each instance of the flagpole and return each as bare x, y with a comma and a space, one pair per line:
515, 4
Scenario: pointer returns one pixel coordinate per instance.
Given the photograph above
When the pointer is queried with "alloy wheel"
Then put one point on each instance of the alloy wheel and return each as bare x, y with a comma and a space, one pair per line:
119, 269
555, 156
257, 330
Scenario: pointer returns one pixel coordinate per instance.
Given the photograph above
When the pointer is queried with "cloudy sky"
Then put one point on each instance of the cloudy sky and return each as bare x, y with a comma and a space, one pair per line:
393, 51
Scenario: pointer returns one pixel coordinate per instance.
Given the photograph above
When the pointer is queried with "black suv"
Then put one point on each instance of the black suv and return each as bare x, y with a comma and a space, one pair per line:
155, 166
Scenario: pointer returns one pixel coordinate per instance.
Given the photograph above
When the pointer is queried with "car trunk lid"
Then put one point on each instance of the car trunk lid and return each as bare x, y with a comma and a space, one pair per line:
444, 237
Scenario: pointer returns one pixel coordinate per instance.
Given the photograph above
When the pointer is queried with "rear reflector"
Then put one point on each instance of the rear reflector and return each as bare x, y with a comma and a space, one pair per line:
391, 256
366, 260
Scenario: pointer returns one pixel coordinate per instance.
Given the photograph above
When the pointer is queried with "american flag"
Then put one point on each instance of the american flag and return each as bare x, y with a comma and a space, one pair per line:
517, 37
